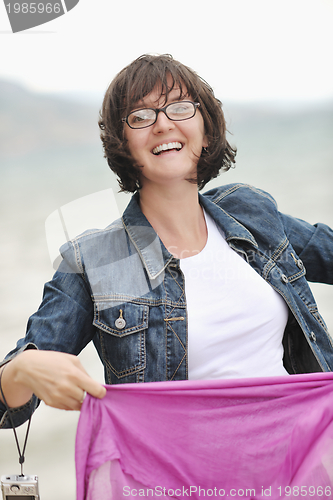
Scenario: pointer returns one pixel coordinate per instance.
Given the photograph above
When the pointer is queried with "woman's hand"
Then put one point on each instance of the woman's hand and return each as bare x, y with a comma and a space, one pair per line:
57, 378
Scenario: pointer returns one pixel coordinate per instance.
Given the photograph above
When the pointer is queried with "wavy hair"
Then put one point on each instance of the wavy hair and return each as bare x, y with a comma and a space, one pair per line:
135, 82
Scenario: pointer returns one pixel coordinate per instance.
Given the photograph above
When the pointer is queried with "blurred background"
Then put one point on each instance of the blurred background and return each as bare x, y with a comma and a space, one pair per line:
268, 61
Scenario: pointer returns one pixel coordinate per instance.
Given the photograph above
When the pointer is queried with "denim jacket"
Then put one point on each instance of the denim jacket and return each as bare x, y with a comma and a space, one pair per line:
122, 289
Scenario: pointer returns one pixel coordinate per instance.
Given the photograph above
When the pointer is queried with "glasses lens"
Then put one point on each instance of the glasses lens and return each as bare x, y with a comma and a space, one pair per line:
141, 118
182, 110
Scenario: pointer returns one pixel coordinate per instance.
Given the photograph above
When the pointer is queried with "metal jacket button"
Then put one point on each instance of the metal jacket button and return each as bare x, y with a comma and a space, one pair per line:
120, 322
313, 337
299, 264
284, 278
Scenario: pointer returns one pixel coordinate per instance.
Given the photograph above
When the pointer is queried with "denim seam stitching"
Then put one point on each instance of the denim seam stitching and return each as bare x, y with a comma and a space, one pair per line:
134, 300
296, 316
167, 323
229, 191
174, 332
279, 250
78, 259
129, 371
181, 361
296, 276
248, 186
177, 336
165, 330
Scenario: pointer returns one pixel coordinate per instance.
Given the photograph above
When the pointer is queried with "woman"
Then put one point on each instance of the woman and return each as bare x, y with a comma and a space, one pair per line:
185, 285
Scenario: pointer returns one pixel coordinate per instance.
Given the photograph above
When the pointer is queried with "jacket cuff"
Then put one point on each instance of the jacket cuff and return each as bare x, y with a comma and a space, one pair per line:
19, 415
26, 347
22, 413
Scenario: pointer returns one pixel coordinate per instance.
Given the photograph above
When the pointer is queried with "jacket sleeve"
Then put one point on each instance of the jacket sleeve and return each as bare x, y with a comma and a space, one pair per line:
314, 246
63, 322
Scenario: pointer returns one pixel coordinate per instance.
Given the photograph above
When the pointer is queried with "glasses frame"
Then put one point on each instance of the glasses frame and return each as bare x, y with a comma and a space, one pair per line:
157, 111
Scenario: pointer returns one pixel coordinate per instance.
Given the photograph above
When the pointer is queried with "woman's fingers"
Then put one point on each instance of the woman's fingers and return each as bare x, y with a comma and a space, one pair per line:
57, 378
93, 388
82, 380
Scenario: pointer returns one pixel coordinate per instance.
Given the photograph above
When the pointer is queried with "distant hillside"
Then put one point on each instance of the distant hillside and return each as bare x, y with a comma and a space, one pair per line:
34, 126
32, 121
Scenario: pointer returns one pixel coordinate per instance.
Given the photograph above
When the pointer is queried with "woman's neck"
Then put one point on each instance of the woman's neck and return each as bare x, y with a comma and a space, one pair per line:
177, 218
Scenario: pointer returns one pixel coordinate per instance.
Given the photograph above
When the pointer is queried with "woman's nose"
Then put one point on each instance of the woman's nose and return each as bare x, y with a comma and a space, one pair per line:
163, 123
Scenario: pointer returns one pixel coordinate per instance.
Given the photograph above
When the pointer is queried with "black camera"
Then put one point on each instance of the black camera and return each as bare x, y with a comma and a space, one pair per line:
19, 487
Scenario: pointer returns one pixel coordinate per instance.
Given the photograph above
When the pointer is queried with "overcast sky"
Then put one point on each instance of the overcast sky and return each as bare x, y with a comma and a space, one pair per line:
246, 49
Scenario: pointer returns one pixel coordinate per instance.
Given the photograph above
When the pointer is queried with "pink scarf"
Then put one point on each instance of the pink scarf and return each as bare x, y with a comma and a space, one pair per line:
244, 438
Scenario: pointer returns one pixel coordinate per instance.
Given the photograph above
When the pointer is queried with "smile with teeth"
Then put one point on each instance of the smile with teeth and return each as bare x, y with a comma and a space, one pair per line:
167, 147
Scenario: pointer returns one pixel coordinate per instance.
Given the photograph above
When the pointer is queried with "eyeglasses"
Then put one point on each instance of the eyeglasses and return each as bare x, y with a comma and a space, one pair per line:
176, 111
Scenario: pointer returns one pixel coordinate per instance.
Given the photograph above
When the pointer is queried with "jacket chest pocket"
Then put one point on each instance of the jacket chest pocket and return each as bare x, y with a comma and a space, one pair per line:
122, 333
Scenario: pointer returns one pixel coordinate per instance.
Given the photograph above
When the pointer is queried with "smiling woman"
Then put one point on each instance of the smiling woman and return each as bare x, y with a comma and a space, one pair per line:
184, 285
149, 81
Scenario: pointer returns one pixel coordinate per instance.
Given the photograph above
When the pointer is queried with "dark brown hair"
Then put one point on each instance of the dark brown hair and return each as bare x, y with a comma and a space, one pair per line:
135, 82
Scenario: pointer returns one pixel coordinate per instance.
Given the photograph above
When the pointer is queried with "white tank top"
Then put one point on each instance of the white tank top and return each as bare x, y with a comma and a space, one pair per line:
235, 319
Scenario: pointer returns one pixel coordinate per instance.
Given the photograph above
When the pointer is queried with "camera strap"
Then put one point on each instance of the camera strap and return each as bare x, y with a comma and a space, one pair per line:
9, 410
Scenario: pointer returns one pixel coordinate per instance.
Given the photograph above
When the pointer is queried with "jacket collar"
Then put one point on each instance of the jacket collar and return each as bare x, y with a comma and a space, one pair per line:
154, 255
151, 249
232, 229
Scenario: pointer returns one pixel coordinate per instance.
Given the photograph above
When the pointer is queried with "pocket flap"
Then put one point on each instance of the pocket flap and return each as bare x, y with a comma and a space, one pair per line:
120, 319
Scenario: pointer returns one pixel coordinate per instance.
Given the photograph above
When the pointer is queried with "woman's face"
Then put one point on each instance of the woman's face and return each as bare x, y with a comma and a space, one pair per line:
166, 167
